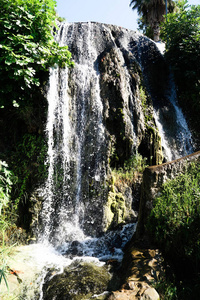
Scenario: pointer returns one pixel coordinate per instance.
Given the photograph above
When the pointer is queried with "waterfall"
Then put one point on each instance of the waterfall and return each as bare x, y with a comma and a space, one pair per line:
96, 120
76, 145
184, 135
77, 132
56, 192
176, 137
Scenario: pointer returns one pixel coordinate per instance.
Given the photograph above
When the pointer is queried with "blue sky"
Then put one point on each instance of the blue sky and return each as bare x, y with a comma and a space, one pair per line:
116, 12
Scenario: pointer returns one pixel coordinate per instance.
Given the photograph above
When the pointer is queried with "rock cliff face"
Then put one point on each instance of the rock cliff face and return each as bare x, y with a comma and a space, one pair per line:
153, 178
116, 102
101, 112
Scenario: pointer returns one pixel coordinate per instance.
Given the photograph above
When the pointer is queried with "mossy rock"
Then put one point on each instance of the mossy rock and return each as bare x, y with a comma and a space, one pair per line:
114, 210
79, 281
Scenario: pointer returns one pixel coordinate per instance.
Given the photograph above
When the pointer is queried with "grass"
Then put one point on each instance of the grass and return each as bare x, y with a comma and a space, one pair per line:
134, 166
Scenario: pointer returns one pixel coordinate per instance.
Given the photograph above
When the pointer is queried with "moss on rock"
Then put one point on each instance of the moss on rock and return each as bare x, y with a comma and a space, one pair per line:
156, 154
77, 282
114, 210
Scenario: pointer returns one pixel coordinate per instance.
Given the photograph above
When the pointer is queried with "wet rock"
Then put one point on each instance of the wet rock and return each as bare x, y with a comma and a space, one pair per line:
78, 281
22, 274
111, 117
35, 202
150, 294
121, 207
144, 264
120, 56
140, 268
75, 249
140, 291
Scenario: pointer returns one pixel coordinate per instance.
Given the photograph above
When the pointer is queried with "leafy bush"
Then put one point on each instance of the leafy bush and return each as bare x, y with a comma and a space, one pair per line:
175, 219
132, 167
7, 180
181, 32
27, 47
166, 289
5, 185
28, 163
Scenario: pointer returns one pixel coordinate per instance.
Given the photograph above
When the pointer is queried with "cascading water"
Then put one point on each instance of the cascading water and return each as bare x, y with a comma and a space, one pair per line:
58, 134
63, 210
77, 138
180, 143
184, 135
90, 107
76, 154
175, 135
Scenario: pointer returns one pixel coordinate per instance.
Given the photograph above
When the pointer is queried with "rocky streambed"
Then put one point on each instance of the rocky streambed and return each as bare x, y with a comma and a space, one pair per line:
37, 272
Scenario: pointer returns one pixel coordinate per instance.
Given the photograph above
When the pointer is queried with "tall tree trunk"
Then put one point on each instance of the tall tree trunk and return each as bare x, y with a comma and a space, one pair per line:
156, 31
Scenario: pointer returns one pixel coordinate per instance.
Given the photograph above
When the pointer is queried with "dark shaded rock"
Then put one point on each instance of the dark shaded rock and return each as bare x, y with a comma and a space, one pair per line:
112, 64
119, 79
74, 249
140, 268
77, 282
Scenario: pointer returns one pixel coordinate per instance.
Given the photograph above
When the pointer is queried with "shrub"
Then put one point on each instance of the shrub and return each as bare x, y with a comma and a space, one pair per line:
132, 167
181, 32
175, 219
27, 48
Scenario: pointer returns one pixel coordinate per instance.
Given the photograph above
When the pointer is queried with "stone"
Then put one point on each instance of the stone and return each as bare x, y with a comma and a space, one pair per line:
140, 268
112, 129
150, 294
122, 295
141, 291
81, 280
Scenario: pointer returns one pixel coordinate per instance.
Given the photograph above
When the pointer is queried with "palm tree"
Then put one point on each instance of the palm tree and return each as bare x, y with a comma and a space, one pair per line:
152, 13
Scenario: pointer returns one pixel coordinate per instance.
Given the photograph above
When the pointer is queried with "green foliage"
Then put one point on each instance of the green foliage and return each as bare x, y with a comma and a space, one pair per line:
3, 276
175, 218
151, 14
145, 28
143, 97
136, 163
170, 288
174, 224
5, 185
7, 180
132, 167
181, 32
29, 163
5, 252
27, 47
145, 105
166, 289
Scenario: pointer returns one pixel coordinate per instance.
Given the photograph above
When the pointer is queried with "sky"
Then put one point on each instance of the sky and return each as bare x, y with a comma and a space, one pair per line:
116, 12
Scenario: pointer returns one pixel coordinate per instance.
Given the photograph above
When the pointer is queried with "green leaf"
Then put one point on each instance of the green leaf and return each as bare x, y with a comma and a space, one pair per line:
3, 276
27, 46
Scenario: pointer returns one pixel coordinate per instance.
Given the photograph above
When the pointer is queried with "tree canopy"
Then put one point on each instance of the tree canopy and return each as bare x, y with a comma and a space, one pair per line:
152, 13
27, 47
181, 32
